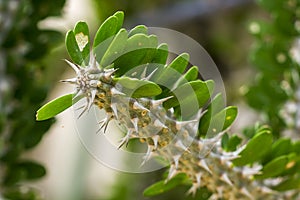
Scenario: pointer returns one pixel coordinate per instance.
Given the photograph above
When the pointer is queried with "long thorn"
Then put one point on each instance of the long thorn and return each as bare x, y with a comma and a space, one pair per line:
70, 80
74, 66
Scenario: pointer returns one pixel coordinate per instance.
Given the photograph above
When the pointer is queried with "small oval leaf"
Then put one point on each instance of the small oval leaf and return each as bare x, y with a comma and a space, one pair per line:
163, 186
137, 88
120, 19
185, 94
107, 29
138, 29
161, 54
73, 48
230, 143
289, 184
54, 107
115, 48
140, 49
82, 37
170, 74
257, 147
274, 168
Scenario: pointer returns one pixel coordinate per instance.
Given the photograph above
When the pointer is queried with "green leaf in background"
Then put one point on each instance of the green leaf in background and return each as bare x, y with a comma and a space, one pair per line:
273, 5
24, 170
33, 170
16, 193
78, 44
163, 186
281, 147
256, 148
289, 184
296, 147
54, 107
138, 88
293, 165
230, 143
274, 168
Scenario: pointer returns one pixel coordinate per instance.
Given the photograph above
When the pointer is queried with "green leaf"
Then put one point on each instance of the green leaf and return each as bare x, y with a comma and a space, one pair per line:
169, 75
230, 143
72, 48
216, 105
138, 88
256, 148
13, 176
191, 74
281, 147
106, 33
180, 62
115, 49
189, 92
227, 116
138, 29
32, 169
82, 36
120, 19
140, 49
221, 121
292, 167
274, 168
163, 186
23, 170
188, 97
289, 184
54, 107
161, 55
77, 43
296, 147
107, 29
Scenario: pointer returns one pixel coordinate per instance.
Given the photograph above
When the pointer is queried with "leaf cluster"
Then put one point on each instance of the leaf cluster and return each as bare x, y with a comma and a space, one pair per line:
22, 46
136, 54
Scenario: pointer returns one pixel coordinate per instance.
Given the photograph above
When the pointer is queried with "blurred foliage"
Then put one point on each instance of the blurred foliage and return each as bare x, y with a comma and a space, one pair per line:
276, 86
22, 90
